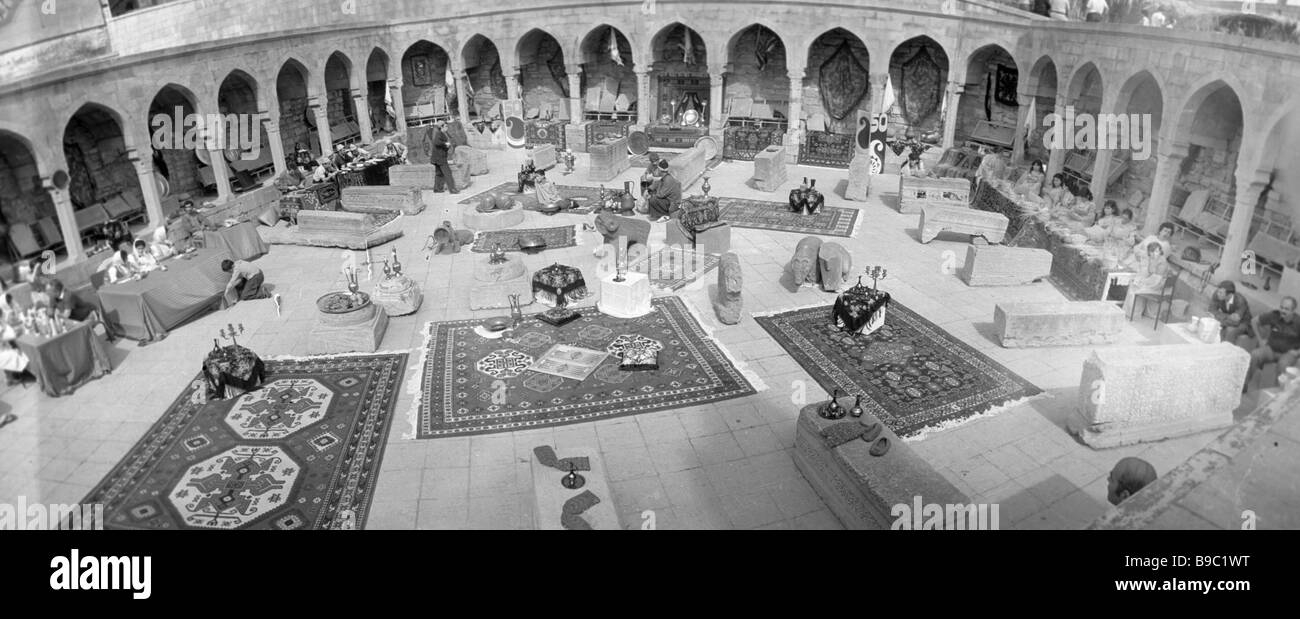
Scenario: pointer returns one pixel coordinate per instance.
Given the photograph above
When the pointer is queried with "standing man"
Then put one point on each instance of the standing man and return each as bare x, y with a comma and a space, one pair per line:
245, 281
665, 194
1096, 10
439, 156
1279, 339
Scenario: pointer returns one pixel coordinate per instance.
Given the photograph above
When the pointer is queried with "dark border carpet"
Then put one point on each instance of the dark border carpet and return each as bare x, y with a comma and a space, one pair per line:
671, 269
915, 376
762, 215
584, 197
302, 452
508, 240
473, 385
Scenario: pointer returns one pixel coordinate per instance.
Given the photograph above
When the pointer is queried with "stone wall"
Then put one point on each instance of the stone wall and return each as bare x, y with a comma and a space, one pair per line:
770, 85
981, 77
420, 95
820, 52
538, 85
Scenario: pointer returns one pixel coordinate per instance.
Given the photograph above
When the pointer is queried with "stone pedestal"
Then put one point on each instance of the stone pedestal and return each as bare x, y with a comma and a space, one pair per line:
499, 281
414, 175
398, 296
551, 494
769, 169
936, 219
716, 239
1134, 394
575, 136
460, 173
859, 178
861, 489
495, 220
626, 299
608, 160
729, 304
915, 192
990, 265
1066, 323
357, 331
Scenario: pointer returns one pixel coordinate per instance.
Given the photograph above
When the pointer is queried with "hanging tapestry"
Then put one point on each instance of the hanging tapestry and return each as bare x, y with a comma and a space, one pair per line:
81, 189
1008, 81
498, 80
561, 77
821, 148
922, 87
843, 82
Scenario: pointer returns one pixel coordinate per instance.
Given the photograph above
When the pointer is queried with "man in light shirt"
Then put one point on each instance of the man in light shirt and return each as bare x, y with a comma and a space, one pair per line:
245, 281
1060, 10
1096, 10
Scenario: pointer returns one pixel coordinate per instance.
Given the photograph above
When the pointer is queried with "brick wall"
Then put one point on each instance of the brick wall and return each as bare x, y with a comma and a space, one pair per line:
22, 200
771, 85
437, 60
536, 82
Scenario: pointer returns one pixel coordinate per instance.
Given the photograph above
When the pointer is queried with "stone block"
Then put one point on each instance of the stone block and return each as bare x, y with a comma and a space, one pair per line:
420, 175
834, 264
576, 137
383, 199
861, 489
332, 337
460, 174
729, 304
770, 170
496, 295
915, 192
608, 160
1064, 323
936, 219
715, 239
544, 157
689, 166
1134, 394
475, 158
992, 265
859, 178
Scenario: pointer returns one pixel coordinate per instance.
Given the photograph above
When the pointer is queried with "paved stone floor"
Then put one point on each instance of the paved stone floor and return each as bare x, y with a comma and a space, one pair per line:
712, 467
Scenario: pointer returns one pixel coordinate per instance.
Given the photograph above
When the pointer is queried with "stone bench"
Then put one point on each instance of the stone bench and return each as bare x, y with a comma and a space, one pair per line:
936, 219
861, 489
608, 160
333, 229
769, 169
992, 265
1064, 323
383, 199
544, 157
859, 178
915, 192
689, 166
1134, 394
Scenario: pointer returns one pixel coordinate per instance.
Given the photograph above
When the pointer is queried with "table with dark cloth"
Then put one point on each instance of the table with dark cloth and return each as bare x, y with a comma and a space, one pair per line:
372, 173
241, 240
857, 307
557, 282
63, 363
146, 309
231, 371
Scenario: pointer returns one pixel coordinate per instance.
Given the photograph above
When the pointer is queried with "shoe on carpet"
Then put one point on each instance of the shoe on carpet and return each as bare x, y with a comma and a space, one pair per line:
880, 448
871, 431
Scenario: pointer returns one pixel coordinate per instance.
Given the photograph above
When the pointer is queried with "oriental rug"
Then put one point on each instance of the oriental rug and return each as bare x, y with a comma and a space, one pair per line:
508, 240
301, 452
473, 385
913, 375
672, 269
761, 215
584, 197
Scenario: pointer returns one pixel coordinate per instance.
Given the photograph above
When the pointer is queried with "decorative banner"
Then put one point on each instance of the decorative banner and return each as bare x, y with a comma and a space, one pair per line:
516, 132
843, 81
879, 133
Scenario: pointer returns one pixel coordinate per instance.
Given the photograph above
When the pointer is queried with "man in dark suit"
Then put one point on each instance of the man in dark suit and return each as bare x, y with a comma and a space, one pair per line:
439, 156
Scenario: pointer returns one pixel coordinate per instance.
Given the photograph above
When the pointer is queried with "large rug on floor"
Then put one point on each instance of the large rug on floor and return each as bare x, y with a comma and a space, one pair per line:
584, 197
914, 376
473, 385
302, 452
672, 269
746, 213
508, 240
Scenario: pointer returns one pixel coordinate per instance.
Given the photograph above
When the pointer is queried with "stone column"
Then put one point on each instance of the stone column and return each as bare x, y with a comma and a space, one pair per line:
1022, 123
148, 188
462, 96
67, 219
1101, 165
952, 99
399, 106
1056, 156
574, 72
878, 83
794, 130
361, 107
323, 134
1250, 184
717, 76
276, 143
1169, 160
642, 96
512, 84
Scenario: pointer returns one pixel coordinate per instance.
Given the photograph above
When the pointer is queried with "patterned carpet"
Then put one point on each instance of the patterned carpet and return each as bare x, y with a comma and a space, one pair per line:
672, 269
473, 385
914, 375
508, 240
584, 196
829, 221
302, 452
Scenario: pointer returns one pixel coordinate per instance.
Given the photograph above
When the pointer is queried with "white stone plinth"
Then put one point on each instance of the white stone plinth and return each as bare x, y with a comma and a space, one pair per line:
625, 299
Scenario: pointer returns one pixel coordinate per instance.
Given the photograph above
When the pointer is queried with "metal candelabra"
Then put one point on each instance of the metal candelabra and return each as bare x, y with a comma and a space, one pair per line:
876, 274
229, 333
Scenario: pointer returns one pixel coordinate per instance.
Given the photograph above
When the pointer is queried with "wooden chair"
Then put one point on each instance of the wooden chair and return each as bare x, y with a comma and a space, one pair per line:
1164, 296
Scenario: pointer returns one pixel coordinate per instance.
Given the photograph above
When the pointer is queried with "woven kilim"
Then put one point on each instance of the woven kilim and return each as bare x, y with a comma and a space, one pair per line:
473, 385
827, 221
302, 452
914, 376
671, 268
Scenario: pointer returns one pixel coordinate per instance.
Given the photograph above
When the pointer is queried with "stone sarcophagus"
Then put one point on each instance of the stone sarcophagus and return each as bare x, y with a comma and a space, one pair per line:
383, 199
575, 136
1064, 323
859, 178
993, 265
915, 192
689, 166
936, 219
1134, 394
769, 169
420, 175
472, 157
608, 160
335, 229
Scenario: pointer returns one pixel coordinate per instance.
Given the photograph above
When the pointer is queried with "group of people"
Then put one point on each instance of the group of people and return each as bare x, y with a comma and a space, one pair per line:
1272, 337
1153, 15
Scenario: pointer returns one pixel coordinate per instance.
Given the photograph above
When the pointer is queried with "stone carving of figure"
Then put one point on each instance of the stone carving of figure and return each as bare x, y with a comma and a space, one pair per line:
804, 264
729, 304
833, 264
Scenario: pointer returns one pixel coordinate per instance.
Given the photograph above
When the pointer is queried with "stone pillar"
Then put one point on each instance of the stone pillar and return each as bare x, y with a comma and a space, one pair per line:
1250, 184
1101, 165
512, 84
952, 99
323, 134
399, 106
361, 107
794, 130
717, 76
67, 219
1022, 123
148, 188
642, 96
1169, 160
462, 96
878, 83
575, 93
1056, 156
221, 172
276, 144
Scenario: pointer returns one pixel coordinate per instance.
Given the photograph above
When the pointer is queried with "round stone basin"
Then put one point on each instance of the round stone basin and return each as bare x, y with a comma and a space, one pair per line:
342, 308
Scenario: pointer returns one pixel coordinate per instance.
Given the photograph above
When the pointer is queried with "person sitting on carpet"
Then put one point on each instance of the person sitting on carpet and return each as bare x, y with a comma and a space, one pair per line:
992, 167
1100, 231
1031, 184
1233, 313
665, 194
1279, 338
1080, 213
396, 151
1120, 238
68, 305
1162, 236
648, 176
160, 246
245, 281
1128, 477
13, 361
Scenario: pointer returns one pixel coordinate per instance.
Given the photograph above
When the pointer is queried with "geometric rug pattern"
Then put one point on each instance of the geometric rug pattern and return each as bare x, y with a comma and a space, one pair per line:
914, 376
763, 215
671, 269
301, 452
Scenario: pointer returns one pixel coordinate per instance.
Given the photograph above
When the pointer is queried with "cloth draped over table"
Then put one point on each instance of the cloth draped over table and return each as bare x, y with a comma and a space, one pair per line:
857, 307
557, 283
232, 371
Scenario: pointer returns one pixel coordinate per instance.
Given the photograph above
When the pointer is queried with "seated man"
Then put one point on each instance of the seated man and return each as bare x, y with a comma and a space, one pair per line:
649, 176
245, 281
1279, 339
665, 194
1128, 477
1233, 313
144, 260
397, 152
